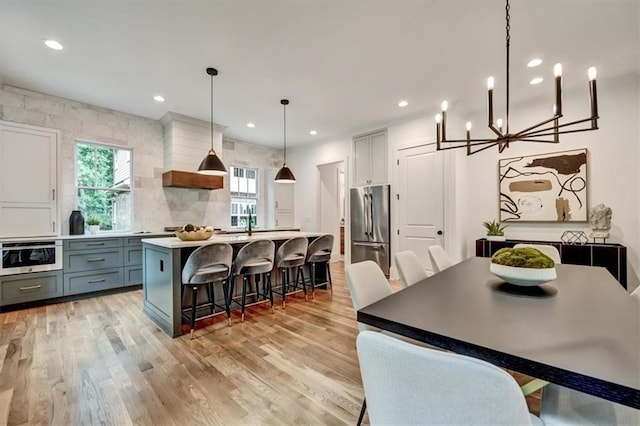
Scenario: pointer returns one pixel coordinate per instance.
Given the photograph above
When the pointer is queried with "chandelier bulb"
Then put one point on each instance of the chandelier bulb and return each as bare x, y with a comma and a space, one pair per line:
499, 123
592, 73
490, 83
445, 105
557, 70
468, 125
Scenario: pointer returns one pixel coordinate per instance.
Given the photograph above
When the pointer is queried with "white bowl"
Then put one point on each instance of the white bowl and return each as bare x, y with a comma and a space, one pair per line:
523, 276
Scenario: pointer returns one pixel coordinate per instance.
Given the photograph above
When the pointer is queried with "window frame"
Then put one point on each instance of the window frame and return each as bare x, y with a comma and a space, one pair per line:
239, 197
131, 178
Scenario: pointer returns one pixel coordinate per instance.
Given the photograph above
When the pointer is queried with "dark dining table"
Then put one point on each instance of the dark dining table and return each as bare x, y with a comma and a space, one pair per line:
581, 330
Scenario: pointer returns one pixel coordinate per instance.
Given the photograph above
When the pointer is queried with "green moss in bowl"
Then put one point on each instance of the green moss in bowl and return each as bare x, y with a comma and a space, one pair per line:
524, 257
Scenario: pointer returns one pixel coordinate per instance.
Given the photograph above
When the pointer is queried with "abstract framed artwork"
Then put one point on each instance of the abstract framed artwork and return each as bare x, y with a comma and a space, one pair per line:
544, 187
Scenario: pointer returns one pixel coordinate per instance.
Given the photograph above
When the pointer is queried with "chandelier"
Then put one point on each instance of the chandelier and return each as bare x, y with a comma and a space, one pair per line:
547, 131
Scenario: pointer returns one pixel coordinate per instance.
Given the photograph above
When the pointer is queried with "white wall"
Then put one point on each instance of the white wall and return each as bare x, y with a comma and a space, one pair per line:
613, 172
471, 188
154, 206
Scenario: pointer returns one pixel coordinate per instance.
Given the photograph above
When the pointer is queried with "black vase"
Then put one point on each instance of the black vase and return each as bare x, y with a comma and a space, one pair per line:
76, 223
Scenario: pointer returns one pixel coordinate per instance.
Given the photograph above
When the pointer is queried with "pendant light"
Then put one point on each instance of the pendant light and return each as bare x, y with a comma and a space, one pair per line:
285, 175
212, 165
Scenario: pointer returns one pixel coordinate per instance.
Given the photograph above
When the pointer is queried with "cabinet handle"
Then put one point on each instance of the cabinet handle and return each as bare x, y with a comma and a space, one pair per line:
53, 194
31, 287
96, 259
54, 226
95, 244
276, 204
101, 280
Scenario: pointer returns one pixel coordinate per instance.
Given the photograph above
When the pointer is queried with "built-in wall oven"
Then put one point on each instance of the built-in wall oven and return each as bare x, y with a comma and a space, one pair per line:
30, 256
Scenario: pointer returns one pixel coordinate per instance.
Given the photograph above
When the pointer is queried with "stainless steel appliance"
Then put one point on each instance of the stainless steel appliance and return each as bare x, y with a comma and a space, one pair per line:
30, 256
370, 225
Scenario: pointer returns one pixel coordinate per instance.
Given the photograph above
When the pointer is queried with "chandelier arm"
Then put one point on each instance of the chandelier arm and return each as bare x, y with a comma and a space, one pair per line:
469, 152
508, 28
535, 126
475, 141
541, 132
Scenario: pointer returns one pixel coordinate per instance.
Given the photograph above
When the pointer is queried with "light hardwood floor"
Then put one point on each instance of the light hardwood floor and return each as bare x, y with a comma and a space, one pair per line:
101, 361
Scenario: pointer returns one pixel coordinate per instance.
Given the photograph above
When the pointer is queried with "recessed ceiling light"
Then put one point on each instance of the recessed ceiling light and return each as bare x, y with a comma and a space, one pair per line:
403, 104
251, 125
158, 98
313, 132
537, 80
534, 62
53, 44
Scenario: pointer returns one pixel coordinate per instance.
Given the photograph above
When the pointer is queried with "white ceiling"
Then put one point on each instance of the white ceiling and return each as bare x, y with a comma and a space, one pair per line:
344, 65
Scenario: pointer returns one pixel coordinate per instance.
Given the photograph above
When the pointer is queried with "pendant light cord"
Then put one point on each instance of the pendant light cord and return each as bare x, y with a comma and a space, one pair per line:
285, 133
211, 112
508, 28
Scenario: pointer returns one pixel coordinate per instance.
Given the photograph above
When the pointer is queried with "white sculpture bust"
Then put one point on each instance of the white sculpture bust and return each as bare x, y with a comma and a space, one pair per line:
600, 221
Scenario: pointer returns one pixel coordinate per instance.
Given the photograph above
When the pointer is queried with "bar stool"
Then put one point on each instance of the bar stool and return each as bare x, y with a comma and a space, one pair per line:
206, 265
320, 251
291, 254
255, 258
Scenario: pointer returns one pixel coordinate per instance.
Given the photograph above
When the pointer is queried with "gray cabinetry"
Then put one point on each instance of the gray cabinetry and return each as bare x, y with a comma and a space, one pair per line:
93, 264
132, 261
30, 287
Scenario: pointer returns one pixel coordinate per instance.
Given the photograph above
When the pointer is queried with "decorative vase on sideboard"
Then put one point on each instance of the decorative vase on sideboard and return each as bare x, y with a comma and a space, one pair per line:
76, 223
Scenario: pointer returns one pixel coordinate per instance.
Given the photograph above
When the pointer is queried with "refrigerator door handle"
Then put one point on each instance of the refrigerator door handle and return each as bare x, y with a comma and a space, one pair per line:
372, 245
367, 219
371, 215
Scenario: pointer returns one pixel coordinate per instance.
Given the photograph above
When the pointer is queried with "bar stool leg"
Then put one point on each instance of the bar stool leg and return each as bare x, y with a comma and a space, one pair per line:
300, 274
267, 283
329, 276
313, 280
194, 299
284, 286
244, 294
227, 303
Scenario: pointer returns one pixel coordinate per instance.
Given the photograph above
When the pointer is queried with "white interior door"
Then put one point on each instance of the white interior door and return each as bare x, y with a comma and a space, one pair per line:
329, 203
420, 203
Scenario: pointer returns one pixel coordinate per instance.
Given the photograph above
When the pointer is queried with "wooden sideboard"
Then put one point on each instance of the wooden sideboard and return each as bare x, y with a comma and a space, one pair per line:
611, 256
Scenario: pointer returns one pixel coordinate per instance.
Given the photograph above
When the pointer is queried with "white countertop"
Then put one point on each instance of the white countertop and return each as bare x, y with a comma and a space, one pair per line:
84, 236
175, 242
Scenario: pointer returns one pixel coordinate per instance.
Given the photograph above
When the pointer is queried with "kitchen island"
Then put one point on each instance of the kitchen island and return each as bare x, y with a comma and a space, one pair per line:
162, 262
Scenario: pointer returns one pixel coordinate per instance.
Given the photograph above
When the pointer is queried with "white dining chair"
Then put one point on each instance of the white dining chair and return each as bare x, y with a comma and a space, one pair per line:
439, 258
367, 284
408, 384
409, 268
547, 249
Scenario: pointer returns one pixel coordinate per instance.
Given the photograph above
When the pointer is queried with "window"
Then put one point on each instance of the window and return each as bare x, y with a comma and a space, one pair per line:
244, 196
103, 179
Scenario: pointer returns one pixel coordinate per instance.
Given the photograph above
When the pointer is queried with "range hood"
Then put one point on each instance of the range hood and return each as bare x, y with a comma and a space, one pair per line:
186, 142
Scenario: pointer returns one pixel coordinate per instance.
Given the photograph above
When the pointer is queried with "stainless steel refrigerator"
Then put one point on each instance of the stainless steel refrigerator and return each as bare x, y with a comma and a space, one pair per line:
370, 225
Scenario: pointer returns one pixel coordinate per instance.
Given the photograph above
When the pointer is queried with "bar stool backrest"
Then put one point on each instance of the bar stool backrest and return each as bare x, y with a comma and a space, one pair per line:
293, 252
257, 254
320, 249
207, 256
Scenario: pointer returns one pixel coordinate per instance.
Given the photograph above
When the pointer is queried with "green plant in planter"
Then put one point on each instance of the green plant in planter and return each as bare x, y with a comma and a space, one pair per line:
523, 257
93, 220
494, 228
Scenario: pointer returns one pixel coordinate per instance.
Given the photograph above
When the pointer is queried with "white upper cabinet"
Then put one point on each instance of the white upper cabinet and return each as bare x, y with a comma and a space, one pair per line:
370, 159
278, 203
28, 181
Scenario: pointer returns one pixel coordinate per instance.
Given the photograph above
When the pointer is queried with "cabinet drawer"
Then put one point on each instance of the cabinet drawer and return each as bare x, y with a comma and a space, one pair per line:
92, 260
30, 287
85, 282
93, 243
133, 241
132, 256
132, 275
